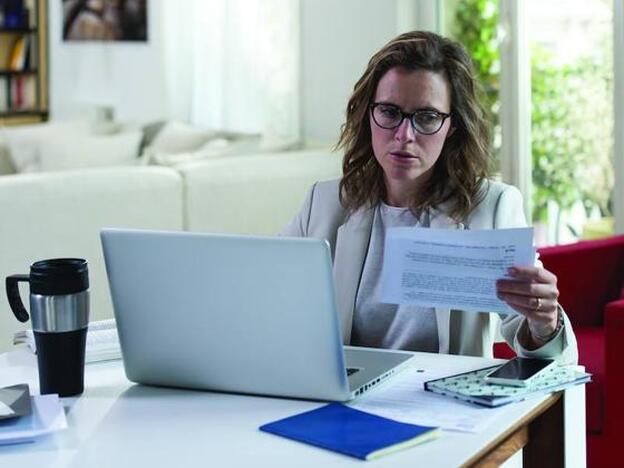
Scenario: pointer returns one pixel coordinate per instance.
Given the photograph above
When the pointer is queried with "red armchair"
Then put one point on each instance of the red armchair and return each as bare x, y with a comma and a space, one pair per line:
590, 281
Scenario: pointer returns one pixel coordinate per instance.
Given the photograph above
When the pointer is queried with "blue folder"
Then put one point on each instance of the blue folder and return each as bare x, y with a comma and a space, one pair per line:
349, 431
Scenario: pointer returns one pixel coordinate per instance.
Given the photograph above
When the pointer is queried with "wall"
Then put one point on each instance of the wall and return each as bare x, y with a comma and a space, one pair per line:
128, 76
337, 39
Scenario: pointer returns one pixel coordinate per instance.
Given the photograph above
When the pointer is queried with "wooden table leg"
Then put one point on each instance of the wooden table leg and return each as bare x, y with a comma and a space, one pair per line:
545, 446
540, 434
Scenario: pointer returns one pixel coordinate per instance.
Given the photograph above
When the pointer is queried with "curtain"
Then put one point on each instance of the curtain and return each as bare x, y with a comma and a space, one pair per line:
234, 65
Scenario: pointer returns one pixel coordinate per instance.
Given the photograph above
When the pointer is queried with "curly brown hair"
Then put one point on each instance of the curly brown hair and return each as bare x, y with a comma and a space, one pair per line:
463, 164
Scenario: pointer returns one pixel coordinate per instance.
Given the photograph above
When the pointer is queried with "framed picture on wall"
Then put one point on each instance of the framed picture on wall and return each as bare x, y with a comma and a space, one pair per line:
105, 20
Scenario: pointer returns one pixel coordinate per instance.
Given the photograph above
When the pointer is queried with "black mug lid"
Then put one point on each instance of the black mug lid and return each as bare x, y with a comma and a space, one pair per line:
59, 276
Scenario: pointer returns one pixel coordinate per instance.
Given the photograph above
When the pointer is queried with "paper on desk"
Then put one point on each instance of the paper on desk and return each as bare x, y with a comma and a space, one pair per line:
102, 341
5, 410
404, 399
47, 416
449, 268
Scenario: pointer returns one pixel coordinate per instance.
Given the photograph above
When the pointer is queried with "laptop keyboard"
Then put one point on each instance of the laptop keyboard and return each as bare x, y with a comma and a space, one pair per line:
351, 370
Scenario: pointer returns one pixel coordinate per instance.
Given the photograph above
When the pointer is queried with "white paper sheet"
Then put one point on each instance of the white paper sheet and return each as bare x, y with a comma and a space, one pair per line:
5, 410
404, 399
454, 269
47, 416
102, 341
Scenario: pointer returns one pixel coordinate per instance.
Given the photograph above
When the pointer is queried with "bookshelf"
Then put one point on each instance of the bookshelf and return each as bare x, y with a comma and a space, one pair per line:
24, 63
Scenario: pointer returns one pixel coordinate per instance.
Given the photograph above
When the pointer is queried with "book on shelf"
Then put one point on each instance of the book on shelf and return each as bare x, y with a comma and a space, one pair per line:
29, 98
17, 60
17, 94
4, 94
23, 93
6, 47
17, 14
30, 7
27, 54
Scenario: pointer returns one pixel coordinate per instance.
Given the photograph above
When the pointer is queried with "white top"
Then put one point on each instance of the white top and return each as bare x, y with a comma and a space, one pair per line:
391, 326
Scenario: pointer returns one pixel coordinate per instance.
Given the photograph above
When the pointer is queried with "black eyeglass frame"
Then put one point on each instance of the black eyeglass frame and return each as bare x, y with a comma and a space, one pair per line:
410, 116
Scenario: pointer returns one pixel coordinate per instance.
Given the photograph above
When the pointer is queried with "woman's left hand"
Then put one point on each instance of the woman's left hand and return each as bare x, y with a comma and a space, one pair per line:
533, 293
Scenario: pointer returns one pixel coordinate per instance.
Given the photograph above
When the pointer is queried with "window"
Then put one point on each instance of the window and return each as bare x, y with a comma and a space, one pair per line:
547, 71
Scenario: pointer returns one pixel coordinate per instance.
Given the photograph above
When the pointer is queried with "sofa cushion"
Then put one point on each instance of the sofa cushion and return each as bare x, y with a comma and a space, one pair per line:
226, 144
25, 143
6, 163
503, 351
584, 292
592, 355
178, 137
89, 151
213, 148
150, 131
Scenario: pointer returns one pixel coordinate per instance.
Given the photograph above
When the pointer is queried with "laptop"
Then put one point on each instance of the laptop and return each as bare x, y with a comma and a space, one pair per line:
230, 313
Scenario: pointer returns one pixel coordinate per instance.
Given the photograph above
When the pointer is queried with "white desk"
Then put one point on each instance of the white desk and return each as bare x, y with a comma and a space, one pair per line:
118, 424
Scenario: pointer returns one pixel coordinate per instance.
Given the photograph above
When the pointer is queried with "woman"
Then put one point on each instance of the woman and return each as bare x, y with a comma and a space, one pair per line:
416, 154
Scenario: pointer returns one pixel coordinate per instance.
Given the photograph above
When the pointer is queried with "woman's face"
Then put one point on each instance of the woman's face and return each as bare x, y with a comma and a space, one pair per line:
406, 156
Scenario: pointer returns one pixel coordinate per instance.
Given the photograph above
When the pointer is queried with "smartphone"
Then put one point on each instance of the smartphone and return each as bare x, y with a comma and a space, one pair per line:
519, 371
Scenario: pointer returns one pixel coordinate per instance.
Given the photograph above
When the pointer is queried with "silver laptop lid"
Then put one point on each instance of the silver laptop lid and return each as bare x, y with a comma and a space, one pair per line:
230, 313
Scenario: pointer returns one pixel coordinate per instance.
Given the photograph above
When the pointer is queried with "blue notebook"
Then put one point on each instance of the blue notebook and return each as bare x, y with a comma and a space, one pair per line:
349, 431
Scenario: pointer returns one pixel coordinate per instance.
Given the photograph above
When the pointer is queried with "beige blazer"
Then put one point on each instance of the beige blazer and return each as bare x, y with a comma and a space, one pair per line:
459, 332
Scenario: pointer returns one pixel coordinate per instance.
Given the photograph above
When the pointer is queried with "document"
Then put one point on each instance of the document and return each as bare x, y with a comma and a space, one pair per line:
5, 410
48, 416
404, 399
455, 269
102, 341
14, 401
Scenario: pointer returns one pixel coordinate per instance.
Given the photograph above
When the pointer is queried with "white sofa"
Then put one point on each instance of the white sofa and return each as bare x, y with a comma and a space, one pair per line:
59, 214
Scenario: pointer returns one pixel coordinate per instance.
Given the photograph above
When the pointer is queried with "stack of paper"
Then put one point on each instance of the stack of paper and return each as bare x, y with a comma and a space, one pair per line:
406, 400
45, 415
102, 341
14, 401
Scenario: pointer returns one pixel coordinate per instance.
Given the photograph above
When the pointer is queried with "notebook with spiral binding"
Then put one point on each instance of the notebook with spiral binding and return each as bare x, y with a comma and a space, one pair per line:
472, 387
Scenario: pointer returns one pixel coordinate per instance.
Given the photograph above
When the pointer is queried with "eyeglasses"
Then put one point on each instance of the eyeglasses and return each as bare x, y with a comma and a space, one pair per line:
424, 121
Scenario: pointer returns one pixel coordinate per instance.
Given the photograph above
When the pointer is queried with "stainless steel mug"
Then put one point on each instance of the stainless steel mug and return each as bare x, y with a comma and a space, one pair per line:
59, 308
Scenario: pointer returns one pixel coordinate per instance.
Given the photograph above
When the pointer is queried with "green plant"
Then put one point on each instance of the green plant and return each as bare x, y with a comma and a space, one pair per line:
571, 114
571, 133
475, 25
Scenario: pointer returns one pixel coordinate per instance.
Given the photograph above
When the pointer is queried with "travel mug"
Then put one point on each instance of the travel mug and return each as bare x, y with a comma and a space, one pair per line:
59, 307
